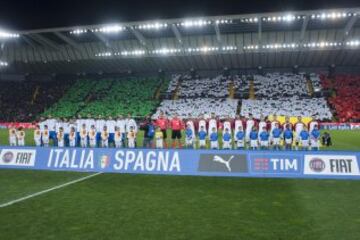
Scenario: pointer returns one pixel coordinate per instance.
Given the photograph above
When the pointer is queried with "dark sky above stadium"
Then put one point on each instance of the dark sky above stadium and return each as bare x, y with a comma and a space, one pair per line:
33, 14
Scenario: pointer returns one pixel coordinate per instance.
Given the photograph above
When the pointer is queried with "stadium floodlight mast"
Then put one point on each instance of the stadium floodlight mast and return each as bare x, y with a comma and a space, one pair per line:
7, 35
151, 26
3, 64
168, 51
353, 43
113, 28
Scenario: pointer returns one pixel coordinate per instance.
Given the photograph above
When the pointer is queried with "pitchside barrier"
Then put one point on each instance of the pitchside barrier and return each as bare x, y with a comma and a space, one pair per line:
234, 163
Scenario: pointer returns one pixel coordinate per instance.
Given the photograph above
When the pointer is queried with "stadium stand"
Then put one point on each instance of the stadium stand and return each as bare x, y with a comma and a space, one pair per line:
23, 101
193, 108
212, 87
346, 102
292, 106
109, 97
280, 85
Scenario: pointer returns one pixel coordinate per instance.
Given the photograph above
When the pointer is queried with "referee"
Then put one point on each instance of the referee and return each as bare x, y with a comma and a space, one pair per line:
176, 125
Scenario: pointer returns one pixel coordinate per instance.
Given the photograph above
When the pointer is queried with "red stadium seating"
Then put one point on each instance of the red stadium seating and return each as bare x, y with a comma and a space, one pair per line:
347, 99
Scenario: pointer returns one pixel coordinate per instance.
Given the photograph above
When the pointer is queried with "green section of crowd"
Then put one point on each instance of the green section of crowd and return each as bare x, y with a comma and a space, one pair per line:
110, 97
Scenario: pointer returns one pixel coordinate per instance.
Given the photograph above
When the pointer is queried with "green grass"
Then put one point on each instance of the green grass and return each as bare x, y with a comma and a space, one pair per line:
125, 206
342, 139
115, 206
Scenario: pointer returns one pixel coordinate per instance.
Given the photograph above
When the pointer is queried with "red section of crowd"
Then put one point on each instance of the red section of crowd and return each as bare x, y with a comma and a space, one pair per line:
346, 102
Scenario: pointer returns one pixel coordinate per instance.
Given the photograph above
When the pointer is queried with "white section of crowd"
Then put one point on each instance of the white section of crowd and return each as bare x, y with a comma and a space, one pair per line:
279, 85
194, 108
293, 106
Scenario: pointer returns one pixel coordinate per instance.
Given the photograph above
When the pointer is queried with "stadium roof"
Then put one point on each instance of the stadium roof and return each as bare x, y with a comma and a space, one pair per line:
271, 40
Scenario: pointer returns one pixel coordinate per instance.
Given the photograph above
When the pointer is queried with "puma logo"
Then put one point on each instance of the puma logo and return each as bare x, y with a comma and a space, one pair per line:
223, 161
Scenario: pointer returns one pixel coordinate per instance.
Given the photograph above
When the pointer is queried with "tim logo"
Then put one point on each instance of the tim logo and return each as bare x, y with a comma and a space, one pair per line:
261, 164
104, 161
277, 163
227, 163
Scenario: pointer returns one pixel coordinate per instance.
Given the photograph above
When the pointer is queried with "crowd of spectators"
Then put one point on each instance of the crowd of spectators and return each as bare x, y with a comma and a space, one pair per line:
292, 106
193, 108
346, 98
24, 101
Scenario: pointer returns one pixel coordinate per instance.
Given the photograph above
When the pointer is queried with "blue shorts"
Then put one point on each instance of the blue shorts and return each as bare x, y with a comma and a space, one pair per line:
52, 135
111, 137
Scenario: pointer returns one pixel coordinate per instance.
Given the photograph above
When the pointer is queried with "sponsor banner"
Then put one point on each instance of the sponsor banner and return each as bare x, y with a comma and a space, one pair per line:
287, 164
276, 163
354, 126
331, 165
223, 163
17, 157
335, 126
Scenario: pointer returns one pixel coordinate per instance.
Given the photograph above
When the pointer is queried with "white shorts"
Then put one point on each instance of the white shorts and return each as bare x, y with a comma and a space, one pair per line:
253, 143
84, 142
240, 143
226, 145
264, 143
305, 143
105, 143
60, 143
202, 143
214, 145
72, 142
21, 142
159, 143
314, 143
131, 143
12, 141
118, 143
45, 140
37, 142
189, 141
276, 141
288, 141
92, 142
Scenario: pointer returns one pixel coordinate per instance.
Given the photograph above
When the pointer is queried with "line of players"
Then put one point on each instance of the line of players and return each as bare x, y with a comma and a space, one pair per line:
238, 133
245, 133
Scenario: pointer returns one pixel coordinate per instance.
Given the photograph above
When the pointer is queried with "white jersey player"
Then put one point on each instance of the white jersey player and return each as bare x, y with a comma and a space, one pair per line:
83, 136
213, 123
92, 136
202, 124
227, 125
37, 136
250, 123
20, 135
12, 137
238, 123
299, 127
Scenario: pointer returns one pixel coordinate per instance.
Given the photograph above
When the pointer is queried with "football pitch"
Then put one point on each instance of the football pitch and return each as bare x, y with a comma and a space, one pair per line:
69, 205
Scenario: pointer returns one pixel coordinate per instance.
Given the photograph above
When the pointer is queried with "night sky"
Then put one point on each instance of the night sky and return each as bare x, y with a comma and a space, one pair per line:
34, 14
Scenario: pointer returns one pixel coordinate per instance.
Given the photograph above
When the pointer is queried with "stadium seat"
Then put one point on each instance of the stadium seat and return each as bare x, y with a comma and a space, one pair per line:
24, 101
294, 106
346, 102
193, 108
280, 85
109, 97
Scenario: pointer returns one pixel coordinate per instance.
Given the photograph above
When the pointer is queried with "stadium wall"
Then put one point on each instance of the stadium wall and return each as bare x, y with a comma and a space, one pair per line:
277, 164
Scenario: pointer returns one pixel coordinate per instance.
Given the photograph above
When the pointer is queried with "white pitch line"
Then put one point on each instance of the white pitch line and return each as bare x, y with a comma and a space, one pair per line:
48, 190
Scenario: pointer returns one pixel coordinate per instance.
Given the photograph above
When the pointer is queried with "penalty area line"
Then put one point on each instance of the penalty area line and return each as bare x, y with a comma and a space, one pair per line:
48, 190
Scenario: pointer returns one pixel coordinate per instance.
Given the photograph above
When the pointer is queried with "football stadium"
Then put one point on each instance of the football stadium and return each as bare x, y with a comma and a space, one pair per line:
241, 126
